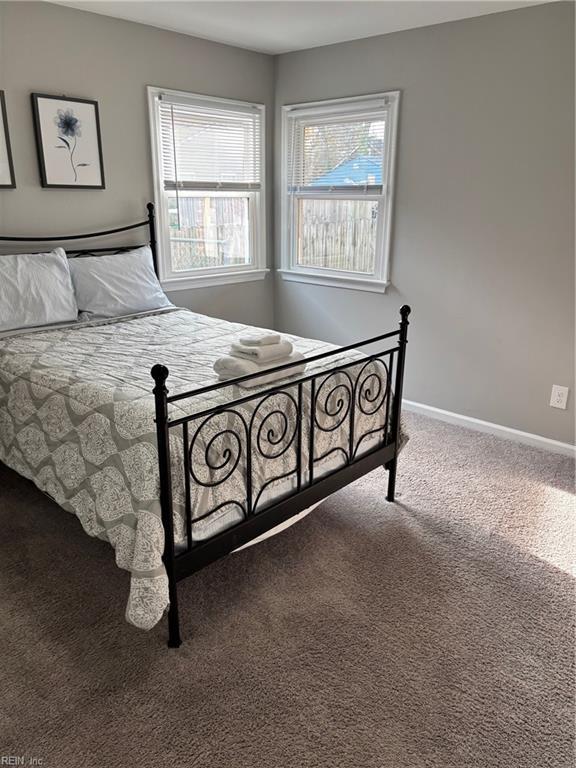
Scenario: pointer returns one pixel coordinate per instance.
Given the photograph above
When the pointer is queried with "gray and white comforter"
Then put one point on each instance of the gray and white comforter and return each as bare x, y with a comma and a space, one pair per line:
77, 418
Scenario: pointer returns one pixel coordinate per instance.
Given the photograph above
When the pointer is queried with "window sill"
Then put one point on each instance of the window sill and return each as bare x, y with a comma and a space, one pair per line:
335, 281
207, 281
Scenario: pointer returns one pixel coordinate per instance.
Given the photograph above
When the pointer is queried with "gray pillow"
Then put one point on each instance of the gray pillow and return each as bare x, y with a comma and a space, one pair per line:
35, 289
117, 284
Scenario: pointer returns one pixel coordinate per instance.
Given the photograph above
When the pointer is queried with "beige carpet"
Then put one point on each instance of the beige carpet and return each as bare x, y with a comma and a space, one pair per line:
435, 632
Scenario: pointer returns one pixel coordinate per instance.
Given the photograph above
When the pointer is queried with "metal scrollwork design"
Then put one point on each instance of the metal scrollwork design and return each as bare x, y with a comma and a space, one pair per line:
334, 400
276, 433
221, 451
223, 505
278, 428
331, 406
371, 388
351, 403
371, 393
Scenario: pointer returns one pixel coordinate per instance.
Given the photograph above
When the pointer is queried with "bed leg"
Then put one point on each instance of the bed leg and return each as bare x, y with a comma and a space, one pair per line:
391, 480
160, 374
397, 402
174, 639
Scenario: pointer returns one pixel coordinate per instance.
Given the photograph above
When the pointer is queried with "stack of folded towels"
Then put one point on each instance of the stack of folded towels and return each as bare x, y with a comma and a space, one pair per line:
257, 353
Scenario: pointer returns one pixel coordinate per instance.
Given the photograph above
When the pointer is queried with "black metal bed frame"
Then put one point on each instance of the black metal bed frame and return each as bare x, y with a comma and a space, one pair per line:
149, 222
342, 393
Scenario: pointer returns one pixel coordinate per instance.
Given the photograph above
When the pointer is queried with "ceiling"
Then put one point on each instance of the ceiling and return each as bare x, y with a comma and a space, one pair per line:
279, 26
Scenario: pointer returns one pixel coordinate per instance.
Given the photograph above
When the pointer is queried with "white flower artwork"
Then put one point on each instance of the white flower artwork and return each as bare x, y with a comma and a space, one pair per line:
69, 142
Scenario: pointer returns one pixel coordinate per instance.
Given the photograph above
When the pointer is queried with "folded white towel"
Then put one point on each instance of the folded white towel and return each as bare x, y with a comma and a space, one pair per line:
230, 367
262, 354
260, 339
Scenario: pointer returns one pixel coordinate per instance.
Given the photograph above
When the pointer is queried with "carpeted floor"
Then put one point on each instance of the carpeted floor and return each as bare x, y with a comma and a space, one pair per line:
434, 632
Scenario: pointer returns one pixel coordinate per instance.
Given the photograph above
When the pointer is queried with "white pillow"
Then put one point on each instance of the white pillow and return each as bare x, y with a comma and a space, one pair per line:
117, 284
35, 289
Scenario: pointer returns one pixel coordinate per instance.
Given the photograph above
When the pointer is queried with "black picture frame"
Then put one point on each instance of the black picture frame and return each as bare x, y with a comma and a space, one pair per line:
46, 174
4, 116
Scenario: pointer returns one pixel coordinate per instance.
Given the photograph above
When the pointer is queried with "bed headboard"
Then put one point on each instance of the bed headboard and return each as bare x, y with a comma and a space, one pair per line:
149, 222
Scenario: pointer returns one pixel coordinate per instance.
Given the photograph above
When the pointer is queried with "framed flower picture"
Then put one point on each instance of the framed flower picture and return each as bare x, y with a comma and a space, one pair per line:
7, 180
68, 142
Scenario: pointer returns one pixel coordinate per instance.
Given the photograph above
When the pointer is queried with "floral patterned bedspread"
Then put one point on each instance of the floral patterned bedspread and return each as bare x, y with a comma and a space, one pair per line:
77, 418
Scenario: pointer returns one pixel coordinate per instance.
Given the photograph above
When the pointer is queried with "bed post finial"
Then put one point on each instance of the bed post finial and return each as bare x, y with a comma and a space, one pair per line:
405, 311
159, 374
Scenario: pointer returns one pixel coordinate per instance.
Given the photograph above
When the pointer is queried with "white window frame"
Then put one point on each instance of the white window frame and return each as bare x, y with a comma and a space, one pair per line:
208, 276
388, 102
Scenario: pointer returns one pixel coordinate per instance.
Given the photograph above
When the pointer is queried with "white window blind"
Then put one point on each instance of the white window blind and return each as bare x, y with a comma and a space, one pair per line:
208, 147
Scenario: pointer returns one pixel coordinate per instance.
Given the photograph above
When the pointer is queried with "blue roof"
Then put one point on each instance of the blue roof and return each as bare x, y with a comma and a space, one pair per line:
364, 169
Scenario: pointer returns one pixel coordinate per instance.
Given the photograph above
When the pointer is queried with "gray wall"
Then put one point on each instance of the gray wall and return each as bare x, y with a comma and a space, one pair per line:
52, 49
483, 241
483, 244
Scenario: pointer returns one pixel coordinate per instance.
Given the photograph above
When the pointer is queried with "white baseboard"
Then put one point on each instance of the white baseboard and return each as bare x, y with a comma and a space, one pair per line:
537, 441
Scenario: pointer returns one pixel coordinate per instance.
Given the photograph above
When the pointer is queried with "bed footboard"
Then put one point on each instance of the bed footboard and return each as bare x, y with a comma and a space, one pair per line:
267, 454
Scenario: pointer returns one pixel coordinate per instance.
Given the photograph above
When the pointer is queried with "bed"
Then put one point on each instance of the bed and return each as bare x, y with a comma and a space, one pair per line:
124, 423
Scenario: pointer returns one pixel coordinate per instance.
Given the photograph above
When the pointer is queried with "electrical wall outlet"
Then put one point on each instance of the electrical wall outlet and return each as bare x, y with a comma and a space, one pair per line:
559, 396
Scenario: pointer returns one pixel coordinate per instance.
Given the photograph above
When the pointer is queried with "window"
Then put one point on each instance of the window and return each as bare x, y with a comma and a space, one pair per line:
338, 171
209, 169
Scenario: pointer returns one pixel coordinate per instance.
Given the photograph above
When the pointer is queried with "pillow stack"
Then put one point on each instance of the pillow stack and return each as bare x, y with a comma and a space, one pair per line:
43, 289
256, 354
